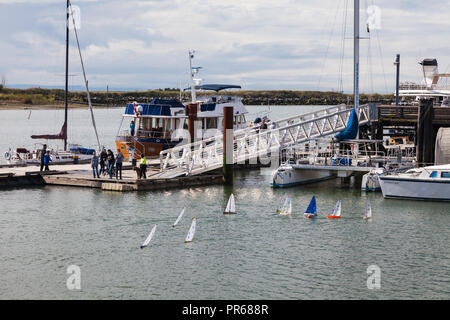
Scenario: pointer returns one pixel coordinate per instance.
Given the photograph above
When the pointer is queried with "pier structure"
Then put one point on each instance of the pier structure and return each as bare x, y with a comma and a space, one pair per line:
251, 144
80, 175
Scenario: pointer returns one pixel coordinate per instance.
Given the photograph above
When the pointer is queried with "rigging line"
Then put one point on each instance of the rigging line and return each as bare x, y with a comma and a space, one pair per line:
328, 46
369, 58
381, 56
341, 63
84, 76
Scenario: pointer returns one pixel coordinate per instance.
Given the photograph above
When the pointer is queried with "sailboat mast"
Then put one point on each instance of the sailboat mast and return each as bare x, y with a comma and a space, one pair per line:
356, 54
191, 73
66, 99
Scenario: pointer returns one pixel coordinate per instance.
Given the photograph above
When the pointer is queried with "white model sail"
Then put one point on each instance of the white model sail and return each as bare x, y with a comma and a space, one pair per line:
179, 217
337, 209
231, 206
282, 203
368, 213
149, 237
287, 209
190, 235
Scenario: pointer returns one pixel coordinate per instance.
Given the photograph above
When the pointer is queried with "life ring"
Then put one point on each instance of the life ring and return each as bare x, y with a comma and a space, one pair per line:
7, 155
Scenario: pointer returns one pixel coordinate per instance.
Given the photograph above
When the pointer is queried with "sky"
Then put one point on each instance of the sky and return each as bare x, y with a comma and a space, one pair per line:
258, 44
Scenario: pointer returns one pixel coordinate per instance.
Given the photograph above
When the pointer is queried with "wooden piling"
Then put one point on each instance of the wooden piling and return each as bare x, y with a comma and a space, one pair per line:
228, 145
192, 117
424, 132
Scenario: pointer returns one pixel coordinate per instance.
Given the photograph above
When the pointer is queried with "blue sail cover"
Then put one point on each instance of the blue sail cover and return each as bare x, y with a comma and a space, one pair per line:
312, 208
351, 131
157, 107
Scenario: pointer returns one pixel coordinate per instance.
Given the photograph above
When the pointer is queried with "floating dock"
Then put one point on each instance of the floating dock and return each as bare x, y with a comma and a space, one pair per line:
80, 175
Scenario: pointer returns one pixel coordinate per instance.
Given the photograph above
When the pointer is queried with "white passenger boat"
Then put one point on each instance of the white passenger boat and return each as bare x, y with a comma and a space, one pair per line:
426, 183
159, 124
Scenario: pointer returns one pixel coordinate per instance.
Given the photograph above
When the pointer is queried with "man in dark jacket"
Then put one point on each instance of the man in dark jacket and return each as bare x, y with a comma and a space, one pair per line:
111, 161
119, 160
103, 157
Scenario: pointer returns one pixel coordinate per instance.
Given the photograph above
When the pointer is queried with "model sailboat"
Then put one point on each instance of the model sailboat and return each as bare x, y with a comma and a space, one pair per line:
368, 214
179, 217
190, 235
311, 211
149, 237
231, 206
287, 209
282, 203
336, 214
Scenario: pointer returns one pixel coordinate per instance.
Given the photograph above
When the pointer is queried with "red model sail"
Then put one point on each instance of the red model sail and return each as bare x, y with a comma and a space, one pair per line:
62, 135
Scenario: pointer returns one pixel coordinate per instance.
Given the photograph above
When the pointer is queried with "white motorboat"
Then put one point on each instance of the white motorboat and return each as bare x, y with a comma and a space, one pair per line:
426, 183
24, 156
286, 175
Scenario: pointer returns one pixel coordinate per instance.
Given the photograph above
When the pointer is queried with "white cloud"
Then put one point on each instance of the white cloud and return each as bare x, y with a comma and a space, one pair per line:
260, 44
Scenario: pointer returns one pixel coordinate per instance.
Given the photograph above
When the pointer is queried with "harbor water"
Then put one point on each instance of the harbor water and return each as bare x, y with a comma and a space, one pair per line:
255, 254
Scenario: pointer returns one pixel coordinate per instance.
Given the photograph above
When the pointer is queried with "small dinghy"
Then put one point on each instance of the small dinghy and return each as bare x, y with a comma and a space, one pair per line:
287, 209
149, 237
179, 217
231, 207
368, 214
190, 235
312, 209
336, 214
282, 203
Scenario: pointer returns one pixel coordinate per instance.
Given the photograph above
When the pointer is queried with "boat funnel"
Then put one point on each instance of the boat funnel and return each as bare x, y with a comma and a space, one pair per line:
430, 71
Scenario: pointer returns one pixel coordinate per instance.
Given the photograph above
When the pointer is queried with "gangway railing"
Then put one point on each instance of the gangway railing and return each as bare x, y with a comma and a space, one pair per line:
251, 143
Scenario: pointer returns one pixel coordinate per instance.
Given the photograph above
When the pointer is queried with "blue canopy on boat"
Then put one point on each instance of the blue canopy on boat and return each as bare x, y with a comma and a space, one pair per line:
157, 107
215, 87
351, 131
312, 208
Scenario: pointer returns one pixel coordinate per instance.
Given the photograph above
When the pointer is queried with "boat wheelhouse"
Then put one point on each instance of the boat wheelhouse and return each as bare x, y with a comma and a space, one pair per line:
156, 123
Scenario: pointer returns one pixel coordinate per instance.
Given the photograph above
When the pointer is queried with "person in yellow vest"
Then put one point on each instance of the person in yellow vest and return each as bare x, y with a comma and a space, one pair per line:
143, 167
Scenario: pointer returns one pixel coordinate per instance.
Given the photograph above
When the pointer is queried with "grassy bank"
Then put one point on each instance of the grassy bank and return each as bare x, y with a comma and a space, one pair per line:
38, 98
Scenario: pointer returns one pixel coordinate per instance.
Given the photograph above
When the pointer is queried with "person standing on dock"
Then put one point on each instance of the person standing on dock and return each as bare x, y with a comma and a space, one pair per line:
94, 164
132, 127
119, 160
43, 153
103, 157
46, 160
143, 167
111, 161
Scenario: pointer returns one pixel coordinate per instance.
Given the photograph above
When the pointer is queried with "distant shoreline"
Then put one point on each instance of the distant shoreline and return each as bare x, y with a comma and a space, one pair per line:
38, 98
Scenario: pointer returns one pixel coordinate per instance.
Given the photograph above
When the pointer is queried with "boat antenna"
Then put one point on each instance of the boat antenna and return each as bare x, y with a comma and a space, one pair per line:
84, 76
66, 98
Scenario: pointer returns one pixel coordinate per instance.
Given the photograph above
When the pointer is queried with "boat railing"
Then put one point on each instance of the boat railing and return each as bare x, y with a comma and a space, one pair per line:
160, 134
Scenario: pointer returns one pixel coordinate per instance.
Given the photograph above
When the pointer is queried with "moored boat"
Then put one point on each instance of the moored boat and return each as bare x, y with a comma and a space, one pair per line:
426, 183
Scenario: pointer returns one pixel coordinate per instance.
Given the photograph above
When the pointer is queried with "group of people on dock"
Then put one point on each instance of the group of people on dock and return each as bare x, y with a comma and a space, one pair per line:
112, 165
109, 164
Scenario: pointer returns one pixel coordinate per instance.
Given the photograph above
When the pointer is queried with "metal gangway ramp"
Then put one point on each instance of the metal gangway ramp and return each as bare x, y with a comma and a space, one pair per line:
250, 143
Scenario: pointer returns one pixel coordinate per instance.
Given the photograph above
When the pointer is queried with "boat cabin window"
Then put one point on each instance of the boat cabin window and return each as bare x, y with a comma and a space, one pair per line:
433, 174
211, 123
445, 174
